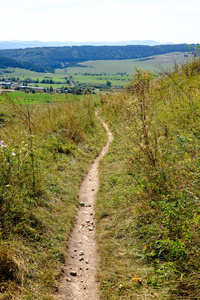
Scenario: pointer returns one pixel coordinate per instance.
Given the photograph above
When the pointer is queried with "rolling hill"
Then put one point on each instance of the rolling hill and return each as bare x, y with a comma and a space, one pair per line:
51, 58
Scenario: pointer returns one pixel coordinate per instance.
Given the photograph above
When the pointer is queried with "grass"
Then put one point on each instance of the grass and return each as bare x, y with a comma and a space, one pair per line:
148, 210
45, 150
22, 74
39, 98
101, 79
114, 66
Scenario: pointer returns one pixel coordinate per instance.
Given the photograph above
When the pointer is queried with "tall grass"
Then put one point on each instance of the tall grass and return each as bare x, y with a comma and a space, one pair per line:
45, 149
156, 126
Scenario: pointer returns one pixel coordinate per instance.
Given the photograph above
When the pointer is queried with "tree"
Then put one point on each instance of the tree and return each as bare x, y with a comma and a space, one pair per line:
108, 84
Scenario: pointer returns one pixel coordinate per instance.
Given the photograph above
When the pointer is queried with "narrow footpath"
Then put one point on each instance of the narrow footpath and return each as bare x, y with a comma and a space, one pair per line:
79, 280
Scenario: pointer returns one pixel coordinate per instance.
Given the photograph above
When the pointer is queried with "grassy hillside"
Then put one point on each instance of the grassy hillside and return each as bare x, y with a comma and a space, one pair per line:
45, 149
51, 58
148, 206
150, 63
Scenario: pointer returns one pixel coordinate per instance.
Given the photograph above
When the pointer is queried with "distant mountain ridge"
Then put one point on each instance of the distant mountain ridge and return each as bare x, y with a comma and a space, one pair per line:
33, 44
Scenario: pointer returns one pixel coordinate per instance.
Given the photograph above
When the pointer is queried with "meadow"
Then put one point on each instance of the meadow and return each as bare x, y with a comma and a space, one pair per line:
120, 66
147, 209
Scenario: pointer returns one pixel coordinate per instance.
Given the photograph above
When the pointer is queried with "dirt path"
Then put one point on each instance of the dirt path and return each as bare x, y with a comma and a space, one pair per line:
79, 280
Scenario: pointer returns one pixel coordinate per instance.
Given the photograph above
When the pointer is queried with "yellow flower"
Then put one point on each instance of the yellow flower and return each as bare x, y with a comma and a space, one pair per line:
136, 279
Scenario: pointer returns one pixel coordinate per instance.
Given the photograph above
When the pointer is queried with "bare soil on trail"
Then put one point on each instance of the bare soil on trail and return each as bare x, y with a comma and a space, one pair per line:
79, 280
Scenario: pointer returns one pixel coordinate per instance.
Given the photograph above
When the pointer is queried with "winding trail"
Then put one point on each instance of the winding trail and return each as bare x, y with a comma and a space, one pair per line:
79, 280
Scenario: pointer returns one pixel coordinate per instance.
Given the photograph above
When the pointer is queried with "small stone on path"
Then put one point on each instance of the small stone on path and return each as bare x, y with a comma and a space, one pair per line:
81, 258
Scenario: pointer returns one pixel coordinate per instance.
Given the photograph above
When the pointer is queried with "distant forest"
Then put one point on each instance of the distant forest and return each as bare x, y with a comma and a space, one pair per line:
48, 59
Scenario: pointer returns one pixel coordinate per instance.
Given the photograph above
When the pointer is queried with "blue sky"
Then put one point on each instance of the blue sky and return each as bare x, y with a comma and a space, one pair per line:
101, 20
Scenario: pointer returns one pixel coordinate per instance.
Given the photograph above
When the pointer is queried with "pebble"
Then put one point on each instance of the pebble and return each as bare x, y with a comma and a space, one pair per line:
90, 228
82, 204
68, 279
81, 253
73, 273
81, 258
87, 261
81, 227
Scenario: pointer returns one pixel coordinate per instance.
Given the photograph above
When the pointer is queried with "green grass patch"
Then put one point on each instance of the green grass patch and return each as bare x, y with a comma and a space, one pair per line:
22, 74
38, 98
101, 79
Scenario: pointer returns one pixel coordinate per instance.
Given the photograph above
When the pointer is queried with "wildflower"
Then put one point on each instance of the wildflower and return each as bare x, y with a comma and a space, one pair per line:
161, 227
13, 153
136, 279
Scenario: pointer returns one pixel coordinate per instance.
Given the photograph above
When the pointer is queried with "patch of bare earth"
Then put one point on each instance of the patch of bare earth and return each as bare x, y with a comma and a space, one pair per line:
79, 280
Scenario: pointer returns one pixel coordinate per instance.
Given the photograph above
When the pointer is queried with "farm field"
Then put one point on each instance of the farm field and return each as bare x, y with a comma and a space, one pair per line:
38, 98
151, 64
102, 78
117, 72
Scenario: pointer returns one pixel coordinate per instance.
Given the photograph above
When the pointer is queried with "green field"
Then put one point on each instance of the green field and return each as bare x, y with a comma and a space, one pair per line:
101, 79
116, 66
117, 72
38, 98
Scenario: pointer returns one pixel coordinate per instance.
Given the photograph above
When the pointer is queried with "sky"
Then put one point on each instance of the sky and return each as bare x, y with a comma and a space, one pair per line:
163, 21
